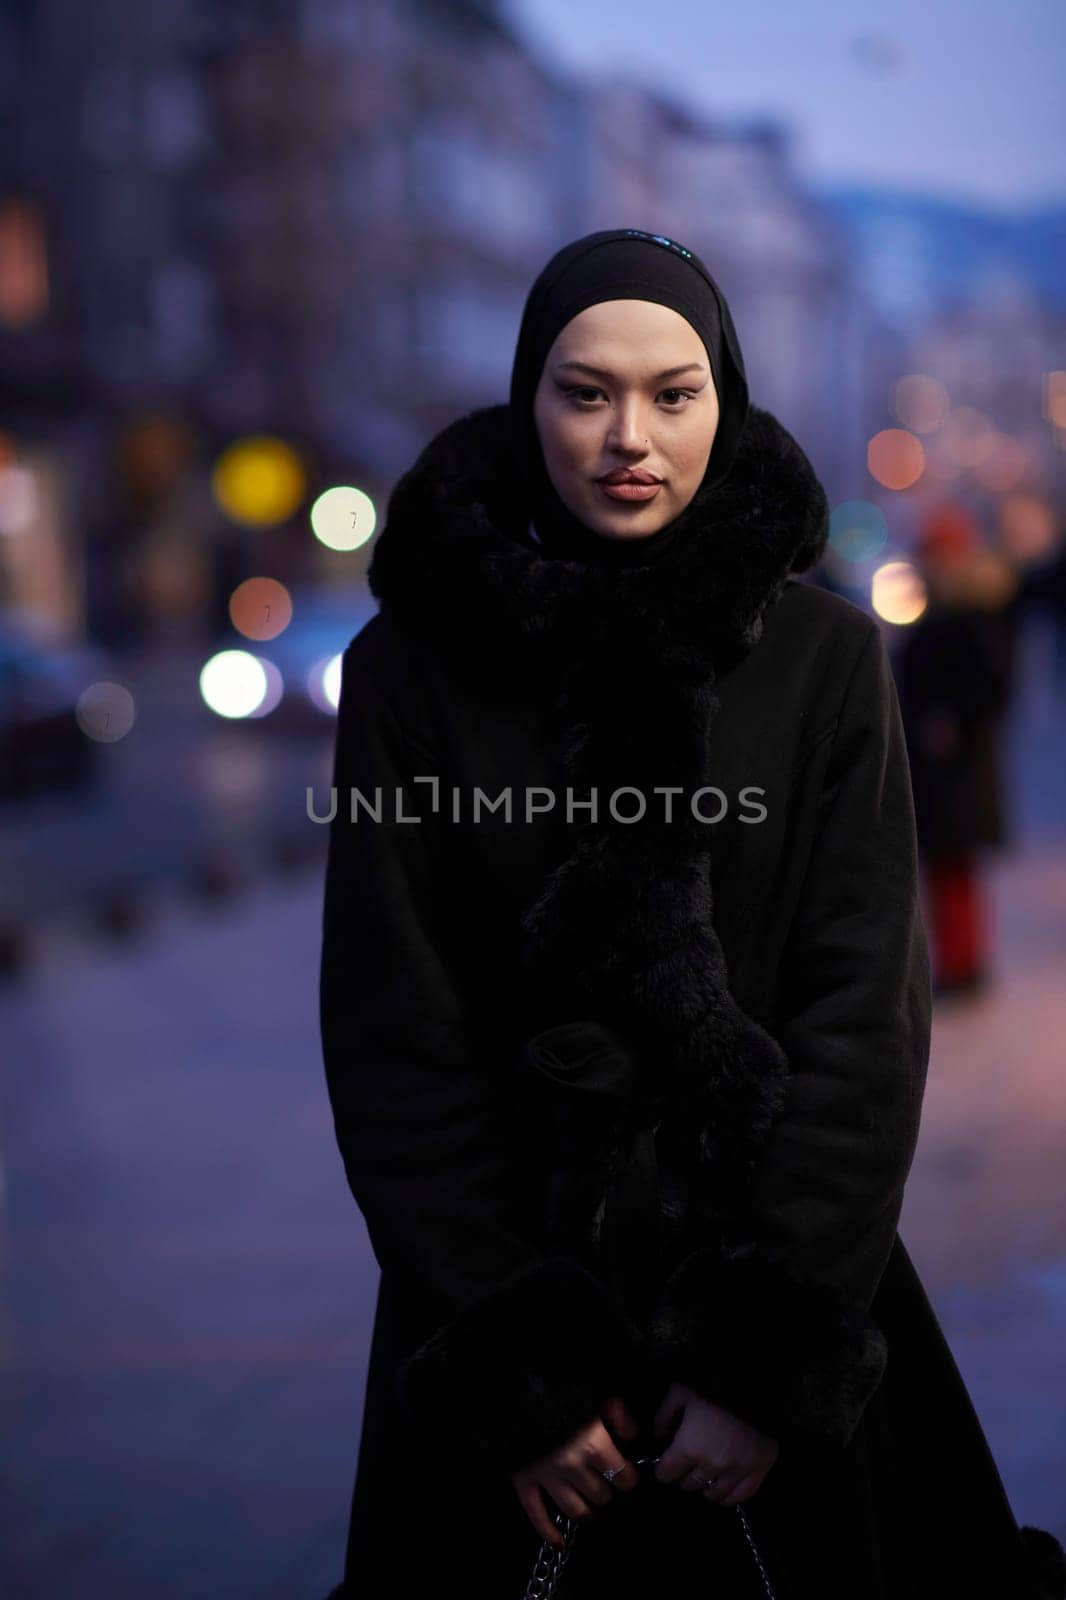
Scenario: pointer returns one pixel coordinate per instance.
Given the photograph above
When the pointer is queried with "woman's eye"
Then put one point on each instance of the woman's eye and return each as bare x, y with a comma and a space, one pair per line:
577, 394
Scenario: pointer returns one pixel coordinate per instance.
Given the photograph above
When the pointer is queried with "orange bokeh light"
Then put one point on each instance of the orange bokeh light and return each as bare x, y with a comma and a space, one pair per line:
969, 437
260, 608
895, 458
1003, 464
1028, 527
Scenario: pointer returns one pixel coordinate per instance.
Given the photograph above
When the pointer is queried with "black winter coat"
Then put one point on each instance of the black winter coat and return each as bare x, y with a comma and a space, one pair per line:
605, 1129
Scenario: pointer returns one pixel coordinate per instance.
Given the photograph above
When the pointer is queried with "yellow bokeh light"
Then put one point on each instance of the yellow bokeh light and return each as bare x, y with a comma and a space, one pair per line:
897, 592
259, 480
895, 458
343, 518
921, 403
260, 608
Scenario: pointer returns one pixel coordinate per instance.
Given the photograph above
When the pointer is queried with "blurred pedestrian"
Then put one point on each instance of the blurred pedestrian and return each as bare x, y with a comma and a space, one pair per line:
955, 673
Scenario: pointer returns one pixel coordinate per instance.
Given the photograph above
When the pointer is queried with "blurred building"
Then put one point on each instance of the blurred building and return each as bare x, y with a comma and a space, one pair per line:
992, 349
260, 208
319, 220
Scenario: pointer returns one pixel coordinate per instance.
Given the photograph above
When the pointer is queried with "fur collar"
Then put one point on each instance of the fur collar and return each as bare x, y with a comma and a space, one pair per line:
621, 952
454, 554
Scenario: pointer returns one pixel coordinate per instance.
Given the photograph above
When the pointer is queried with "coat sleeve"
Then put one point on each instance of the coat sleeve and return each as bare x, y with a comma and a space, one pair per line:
773, 1322
523, 1348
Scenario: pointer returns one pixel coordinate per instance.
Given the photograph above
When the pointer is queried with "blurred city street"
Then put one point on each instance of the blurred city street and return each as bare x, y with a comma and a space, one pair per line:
189, 1284
185, 797
254, 261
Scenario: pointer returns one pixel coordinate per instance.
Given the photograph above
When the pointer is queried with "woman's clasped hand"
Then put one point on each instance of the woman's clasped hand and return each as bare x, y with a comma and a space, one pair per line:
712, 1453
572, 1474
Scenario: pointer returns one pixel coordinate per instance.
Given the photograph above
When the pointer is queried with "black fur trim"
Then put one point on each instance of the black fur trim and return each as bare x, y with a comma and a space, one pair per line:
455, 555
518, 1370
790, 1355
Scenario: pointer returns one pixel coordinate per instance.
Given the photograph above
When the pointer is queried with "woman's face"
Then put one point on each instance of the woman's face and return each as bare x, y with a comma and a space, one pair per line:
627, 413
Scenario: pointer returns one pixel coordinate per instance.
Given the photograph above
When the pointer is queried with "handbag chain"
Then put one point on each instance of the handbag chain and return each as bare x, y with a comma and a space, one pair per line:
549, 1562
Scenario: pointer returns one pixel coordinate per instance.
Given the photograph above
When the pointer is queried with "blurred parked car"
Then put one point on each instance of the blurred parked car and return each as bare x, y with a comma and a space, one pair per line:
291, 681
42, 745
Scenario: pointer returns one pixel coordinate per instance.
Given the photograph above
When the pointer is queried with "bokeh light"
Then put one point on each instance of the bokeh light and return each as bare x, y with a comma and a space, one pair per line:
993, 581
950, 535
920, 403
23, 263
1027, 527
105, 712
1003, 465
324, 683
155, 448
275, 688
857, 530
343, 518
259, 480
233, 683
940, 466
897, 592
968, 436
18, 499
331, 680
895, 458
173, 574
260, 608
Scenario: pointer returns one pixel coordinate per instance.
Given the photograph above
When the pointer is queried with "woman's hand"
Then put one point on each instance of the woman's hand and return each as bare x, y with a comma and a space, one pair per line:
572, 1474
711, 1443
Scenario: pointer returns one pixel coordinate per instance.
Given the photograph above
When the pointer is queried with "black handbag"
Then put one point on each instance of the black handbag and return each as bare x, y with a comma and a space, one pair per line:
550, 1562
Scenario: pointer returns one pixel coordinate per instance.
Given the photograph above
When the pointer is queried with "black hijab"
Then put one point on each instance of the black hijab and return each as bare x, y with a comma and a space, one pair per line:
621, 264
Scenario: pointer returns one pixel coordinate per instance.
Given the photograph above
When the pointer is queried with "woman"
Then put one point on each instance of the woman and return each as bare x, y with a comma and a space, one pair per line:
631, 1158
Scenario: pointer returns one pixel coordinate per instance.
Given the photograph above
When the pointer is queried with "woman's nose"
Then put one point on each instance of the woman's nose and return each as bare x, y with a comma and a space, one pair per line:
629, 433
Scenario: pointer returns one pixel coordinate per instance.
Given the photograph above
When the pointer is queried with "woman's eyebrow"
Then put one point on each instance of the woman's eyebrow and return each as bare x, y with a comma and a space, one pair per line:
598, 372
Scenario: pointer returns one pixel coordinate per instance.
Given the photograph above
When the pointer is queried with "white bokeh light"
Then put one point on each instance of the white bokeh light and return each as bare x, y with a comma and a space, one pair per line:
343, 518
234, 683
897, 592
324, 683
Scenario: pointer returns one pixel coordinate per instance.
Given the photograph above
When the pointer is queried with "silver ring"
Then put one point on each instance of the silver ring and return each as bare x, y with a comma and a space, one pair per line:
706, 1483
610, 1473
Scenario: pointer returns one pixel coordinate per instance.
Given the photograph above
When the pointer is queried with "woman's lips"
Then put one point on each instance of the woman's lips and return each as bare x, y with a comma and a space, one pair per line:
630, 491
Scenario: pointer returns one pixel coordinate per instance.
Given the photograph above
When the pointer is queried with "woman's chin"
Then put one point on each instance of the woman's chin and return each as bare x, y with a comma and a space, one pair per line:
628, 522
